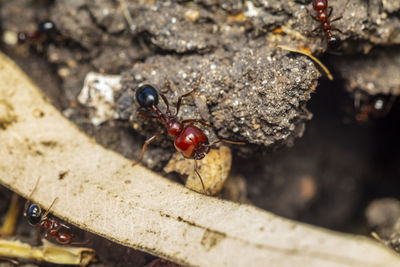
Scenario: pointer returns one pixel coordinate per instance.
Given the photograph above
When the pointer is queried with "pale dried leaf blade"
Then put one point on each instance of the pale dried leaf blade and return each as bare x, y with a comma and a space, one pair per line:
48, 252
10, 220
103, 194
214, 169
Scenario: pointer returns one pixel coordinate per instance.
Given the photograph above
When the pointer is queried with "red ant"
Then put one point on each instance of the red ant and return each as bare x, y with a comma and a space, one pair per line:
189, 139
376, 106
37, 217
321, 6
44, 28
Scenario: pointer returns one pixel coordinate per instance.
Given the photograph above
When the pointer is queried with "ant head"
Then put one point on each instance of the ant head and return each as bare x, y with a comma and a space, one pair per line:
201, 151
22, 37
34, 214
334, 42
46, 26
147, 96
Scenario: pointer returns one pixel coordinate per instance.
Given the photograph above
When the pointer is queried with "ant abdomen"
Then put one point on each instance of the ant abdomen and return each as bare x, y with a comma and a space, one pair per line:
334, 42
63, 238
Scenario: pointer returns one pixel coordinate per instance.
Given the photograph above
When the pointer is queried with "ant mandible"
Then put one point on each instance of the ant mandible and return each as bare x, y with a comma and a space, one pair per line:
43, 28
321, 6
188, 139
40, 219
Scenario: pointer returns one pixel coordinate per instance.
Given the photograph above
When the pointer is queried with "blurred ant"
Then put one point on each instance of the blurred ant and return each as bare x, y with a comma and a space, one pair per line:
188, 139
44, 28
377, 106
321, 6
40, 219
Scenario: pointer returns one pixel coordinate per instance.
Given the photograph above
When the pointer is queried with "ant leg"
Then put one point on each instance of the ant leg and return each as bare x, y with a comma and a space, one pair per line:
78, 242
167, 85
144, 148
48, 210
336, 19
198, 174
178, 105
312, 16
330, 11
337, 30
28, 202
65, 226
144, 115
316, 29
341, 13
313, 32
202, 122
9, 260
224, 141
165, 101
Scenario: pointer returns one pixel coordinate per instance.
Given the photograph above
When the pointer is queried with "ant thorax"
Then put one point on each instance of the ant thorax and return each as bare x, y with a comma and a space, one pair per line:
174, 128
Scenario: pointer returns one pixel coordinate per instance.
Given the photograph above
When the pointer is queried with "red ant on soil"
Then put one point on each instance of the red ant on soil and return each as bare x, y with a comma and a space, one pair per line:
44, 28
189, 139
321, 6
37, 217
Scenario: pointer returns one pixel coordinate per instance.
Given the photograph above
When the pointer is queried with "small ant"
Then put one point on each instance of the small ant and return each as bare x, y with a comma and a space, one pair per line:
376, 106
44, 28
188, 139
321, 6
37, 217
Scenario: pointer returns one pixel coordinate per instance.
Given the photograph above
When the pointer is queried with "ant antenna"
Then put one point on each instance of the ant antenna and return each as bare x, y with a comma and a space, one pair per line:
48, 210
78, 243
195, 87
198, 174
225, 141
30, 196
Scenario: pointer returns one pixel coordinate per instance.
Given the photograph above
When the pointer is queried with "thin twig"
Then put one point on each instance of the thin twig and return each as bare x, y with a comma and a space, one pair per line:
307, 53
127, 15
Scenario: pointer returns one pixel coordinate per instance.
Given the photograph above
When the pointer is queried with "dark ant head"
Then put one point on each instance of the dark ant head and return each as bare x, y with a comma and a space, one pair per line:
22, 37
34, 214
379, 103
334, 42
147, 96
46, 27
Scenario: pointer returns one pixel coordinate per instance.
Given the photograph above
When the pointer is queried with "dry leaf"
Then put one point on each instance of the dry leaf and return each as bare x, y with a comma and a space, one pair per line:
214, 169
48, 252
